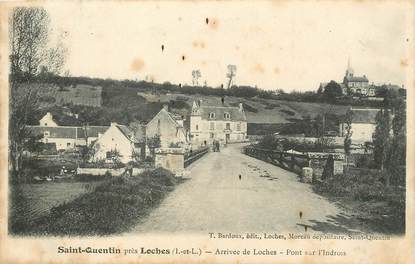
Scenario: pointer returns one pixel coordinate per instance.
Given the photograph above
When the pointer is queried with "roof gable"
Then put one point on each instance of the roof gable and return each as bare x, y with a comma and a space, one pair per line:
168, 114
127, 133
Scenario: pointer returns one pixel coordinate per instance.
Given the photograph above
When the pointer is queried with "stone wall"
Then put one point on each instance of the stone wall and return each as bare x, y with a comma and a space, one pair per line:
103, 171
318, 161
171, 159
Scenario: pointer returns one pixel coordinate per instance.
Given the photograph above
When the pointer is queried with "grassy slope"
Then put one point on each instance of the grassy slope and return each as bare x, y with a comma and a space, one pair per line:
263, 110
51, 94
258, 110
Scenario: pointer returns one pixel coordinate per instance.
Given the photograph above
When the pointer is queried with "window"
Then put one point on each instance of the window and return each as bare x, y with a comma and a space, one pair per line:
228, 126
212, 135
46, 124
212, 115
197, 127
46, 133
227, 116
238, 127
212, 126
109, 154
68, 144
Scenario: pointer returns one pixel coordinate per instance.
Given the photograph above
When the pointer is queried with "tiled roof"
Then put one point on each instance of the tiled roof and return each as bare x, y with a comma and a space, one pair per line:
127, 132
175, 118
356, 79
93, 131
69, 132
235, 113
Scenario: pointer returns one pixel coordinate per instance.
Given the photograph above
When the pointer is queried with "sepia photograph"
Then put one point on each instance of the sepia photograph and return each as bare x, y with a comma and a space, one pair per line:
233, 120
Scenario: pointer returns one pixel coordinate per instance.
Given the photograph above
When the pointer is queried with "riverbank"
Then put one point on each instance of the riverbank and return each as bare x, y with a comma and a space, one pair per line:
370, 204
112, 207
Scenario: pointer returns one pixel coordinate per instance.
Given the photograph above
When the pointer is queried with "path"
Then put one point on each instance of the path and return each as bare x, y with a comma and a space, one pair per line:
266, 199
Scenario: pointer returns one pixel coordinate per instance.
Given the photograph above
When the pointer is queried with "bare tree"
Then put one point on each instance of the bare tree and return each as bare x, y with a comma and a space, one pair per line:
54, 57
196, 75
28, 39
21, 137
230, 74
30, 43
29, 29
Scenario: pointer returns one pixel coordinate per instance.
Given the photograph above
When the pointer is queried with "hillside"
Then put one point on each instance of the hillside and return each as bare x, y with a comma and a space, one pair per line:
100, 103
258, 110
77, 94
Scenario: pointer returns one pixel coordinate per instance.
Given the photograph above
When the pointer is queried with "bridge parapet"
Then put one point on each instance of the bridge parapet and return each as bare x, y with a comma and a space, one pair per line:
295, 162
176, 159
171, 159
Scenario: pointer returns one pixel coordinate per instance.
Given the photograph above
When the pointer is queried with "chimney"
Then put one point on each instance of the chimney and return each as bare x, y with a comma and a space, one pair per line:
241, 107
166, 107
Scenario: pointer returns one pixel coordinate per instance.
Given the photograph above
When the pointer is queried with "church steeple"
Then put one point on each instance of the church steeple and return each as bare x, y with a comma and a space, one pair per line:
349, 71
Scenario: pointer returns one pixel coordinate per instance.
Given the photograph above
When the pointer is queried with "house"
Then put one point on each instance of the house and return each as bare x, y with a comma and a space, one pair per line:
117, 138
66, 137
223, 123
169, 127
47, 121
363, 125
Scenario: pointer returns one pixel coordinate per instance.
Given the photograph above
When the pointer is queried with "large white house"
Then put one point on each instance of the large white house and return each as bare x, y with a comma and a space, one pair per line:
223, 123
363, 124
117, 138
169, 127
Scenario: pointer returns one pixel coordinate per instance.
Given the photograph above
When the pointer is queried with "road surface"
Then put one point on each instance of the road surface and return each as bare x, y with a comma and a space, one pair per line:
214, 199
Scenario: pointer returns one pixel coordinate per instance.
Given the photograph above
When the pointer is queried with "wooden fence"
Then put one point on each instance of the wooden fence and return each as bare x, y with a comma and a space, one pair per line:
289, 161
191, 156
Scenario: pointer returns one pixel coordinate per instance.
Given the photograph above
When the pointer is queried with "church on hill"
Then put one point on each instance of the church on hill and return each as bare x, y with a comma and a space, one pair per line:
357, 84
354, 85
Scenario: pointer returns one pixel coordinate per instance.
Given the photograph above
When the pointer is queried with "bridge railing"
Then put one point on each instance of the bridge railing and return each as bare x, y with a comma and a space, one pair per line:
289, 161
192, 156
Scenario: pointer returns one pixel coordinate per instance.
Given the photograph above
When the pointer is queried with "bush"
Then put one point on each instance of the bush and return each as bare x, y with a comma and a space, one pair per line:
113, 207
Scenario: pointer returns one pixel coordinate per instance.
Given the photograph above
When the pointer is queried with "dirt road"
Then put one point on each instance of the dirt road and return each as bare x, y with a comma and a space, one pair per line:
266, 198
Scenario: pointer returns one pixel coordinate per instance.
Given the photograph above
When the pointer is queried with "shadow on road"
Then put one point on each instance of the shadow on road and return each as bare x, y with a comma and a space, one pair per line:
338, 224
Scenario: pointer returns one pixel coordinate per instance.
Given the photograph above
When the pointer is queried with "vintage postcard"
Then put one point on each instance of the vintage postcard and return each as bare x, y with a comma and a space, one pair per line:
207, 131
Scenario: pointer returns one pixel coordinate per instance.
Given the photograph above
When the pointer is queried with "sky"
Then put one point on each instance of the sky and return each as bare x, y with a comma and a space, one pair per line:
274, 44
